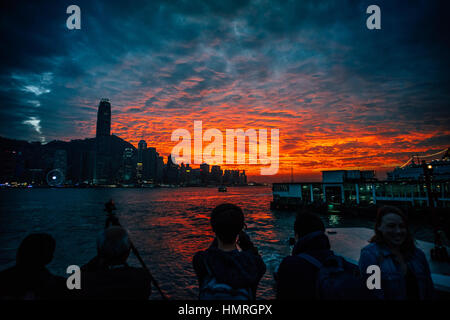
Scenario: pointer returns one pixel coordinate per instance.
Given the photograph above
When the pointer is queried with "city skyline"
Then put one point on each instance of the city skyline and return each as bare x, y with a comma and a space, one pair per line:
341, 95
105, 160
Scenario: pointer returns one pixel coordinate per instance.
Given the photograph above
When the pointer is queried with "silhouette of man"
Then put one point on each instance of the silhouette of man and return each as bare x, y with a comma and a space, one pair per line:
108, 276
29, 279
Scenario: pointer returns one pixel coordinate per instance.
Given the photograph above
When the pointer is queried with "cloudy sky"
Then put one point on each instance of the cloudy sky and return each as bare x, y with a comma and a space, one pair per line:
341, 95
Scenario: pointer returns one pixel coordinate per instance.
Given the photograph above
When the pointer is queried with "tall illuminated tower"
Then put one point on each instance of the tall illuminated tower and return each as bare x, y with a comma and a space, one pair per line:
142, 148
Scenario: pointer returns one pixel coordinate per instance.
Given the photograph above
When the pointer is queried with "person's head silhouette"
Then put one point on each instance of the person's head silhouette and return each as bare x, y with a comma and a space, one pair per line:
36, 251
227, 220
114, 246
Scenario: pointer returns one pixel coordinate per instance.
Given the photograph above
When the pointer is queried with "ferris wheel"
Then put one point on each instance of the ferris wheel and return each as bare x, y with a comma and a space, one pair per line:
55, 178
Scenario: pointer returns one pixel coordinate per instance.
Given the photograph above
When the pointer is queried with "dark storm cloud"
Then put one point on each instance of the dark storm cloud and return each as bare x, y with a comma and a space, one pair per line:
436, 141
151, 56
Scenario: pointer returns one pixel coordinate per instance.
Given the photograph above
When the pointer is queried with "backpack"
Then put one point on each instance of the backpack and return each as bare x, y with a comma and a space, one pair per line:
212, 290
337, 279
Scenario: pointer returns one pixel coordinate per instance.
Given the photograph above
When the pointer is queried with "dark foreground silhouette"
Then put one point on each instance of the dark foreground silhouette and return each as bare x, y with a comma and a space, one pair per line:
29, 279
231, 268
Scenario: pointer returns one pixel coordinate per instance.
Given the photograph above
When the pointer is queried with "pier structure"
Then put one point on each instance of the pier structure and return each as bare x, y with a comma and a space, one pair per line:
349, 188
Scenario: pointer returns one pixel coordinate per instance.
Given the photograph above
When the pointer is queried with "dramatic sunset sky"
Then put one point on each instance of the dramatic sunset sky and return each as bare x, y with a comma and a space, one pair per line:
341, 95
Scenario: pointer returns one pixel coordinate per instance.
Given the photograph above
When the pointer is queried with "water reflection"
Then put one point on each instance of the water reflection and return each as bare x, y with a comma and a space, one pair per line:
333, 220
166, 225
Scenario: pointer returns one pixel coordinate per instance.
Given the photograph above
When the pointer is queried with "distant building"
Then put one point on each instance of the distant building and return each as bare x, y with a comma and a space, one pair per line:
195, 176
102, 167
146, 163
183, 173
235, 176
226, 179
128, 168
150, 159
139, 170
204, 173
8, 160
242, 178
85, 167
37, 176
97, 160
172, 171
216, 174
103, 119
159, 168
231, 177
142, 147
60, 161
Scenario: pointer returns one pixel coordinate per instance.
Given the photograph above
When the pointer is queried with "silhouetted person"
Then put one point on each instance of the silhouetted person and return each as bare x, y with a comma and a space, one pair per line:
231, 268
313, 272
29, 279
108, 275
405, 273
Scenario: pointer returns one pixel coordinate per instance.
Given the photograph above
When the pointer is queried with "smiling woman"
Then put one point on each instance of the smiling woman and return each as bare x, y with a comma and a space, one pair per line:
391, 229
405, 273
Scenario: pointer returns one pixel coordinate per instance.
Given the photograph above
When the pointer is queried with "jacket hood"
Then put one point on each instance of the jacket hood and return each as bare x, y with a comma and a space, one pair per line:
312, 242
236, 268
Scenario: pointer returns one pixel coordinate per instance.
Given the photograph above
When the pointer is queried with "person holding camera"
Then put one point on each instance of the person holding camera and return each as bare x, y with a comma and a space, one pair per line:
231, 268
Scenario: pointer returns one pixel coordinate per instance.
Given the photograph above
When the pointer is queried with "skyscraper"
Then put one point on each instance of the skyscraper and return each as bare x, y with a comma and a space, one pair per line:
60, 161
159, 168
128, 172
142, 148
216, 174
150, 164
102, 167
171, 171
103, 119
204, 173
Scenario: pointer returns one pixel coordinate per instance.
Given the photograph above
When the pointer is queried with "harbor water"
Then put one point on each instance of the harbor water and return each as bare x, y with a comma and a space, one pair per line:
166, 225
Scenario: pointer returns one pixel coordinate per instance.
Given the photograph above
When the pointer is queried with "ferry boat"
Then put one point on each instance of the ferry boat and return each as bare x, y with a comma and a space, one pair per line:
222, 189
437, 164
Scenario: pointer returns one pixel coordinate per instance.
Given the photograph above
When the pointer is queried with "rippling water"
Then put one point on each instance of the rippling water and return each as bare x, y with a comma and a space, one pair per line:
166, 225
